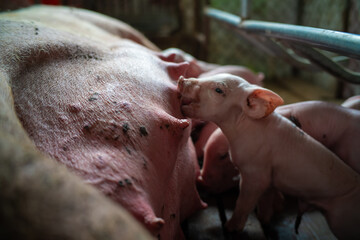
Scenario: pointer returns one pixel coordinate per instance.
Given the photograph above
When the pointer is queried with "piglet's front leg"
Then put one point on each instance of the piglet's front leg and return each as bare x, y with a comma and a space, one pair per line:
251, 189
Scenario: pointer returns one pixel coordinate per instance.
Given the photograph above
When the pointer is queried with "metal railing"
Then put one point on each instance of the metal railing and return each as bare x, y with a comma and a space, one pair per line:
303, 47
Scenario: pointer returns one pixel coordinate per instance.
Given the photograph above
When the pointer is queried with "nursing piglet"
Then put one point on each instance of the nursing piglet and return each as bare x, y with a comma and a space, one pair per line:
208, 128
270, 151
218, 173
336, 127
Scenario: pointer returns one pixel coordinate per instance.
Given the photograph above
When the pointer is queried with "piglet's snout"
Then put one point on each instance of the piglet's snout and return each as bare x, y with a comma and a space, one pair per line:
189, 90
186, 85
181, 84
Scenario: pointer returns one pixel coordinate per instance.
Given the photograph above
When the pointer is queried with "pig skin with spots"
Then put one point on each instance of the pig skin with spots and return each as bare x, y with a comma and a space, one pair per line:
107, 108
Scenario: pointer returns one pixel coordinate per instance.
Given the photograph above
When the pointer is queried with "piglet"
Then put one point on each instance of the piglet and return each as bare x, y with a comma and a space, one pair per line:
352, 102
270, 152
208, 127
336, 127
218, 173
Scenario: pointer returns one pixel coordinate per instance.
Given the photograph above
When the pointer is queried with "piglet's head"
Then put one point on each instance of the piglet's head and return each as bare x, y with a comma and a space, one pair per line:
218, 97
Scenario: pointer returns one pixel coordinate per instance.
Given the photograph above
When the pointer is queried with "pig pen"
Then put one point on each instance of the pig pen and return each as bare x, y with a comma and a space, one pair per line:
209, 223
309, 49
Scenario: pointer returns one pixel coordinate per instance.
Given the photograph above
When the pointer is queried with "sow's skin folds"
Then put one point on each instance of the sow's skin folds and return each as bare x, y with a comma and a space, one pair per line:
304, 169
105, 107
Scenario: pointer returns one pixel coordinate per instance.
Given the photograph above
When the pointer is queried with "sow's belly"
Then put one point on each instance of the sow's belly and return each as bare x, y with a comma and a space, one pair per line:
112, 116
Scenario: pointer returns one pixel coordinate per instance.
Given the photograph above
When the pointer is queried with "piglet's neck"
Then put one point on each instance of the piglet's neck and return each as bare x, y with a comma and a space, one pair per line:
244, 126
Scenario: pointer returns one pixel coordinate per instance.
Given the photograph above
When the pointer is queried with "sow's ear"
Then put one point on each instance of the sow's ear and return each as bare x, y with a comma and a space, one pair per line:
260, 102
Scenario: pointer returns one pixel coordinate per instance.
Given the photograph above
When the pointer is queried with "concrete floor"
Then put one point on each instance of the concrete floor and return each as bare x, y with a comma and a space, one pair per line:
209, 223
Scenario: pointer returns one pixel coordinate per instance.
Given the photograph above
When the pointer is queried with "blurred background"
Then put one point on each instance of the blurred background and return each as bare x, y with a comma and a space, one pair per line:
181, 24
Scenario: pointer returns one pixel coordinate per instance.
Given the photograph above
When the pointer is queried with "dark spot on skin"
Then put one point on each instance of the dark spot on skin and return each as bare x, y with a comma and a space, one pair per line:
114, 102
125, 128
145, 163
173, 216
324, 136
114, 126
86, 128
143, 131
94, 97
167, 126
162, 209
65, 148
295, 121
98, 77
128, 150
222, 157
128, 181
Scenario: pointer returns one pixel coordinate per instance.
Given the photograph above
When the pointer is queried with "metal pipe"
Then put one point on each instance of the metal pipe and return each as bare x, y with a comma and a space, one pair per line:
328, 65
245, 9
343, 43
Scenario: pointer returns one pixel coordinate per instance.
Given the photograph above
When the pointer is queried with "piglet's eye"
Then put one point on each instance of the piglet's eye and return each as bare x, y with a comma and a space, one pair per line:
218, 90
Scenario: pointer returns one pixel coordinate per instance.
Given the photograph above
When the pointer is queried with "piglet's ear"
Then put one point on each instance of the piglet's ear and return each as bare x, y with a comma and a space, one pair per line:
261, 102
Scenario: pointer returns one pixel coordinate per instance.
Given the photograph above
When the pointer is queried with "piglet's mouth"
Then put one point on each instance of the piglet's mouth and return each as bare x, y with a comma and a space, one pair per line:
186, 101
